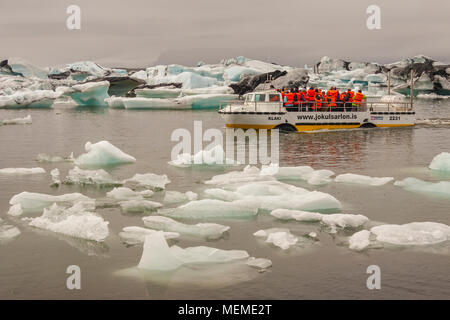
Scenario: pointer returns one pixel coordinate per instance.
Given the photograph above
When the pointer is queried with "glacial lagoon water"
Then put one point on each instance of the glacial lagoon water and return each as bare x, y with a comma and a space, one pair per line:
33, 265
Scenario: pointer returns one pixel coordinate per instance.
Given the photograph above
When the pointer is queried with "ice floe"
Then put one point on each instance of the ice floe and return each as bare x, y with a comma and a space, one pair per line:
15, 210
21, 171
213, 157
361, 179
137, 206
7, 231
98, 177
149, 180
441, 162
27, 98
37, 201
90, 93
306, 173
177, 197
359, 240
157, 255
210, 231
441, 188
123, 193
26, 120
250, 173
56, 181
259, 263
42, 157
102, 153
75, 221
136, 235
281, 238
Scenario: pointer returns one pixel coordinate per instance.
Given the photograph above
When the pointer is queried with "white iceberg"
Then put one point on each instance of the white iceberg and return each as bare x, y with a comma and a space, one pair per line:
27, 98
213, 157
26, 69
102, 153
149, 180
259, 263
55, 177
441, 162
136, 235
281, 238
122, 193
441, 188
75, 221
249, 174
90, 94
42, 157
177, 197
360, 179
207, 100
302, 216
38, 201
306, 173
21, 171
139, 206
157, 255
15, 210
359, 240
154, 103
90, 177
7, 232
26, 120
210, 231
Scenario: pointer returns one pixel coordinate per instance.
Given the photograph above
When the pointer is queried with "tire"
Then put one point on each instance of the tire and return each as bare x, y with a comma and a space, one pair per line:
367, 125
286, 127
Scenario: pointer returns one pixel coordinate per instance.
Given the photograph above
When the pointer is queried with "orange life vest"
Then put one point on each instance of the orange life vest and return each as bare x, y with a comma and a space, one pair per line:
311, 95
318, 100
358, 98
332, 95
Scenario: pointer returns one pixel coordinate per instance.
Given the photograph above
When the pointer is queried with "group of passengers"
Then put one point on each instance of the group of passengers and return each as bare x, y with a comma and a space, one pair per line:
314, 99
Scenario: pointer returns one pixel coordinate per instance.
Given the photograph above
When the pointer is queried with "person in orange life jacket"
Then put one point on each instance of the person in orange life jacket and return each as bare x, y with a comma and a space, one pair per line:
295, 97
311, 95
289, 98
318, 100
358, 98
331, 97
303, 99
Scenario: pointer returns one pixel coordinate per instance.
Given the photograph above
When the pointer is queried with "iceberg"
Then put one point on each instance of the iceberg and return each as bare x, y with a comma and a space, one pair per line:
102, 153
136, 235
154, 103
259, 263
92, 94
249, 174
27, 98
441, 188
98, 177
157, 255
123, 193
211, 208
21, 171
26, 120
26, 69
281, 238
359, 240
149, 180
75, 221
139, 206
207, 100
306, 173
15, 210
7, 231
42, 157
177, 197
210, 231
212, 157
55, 177
303, 216
115, 102
38, 201
441, 162
360, 179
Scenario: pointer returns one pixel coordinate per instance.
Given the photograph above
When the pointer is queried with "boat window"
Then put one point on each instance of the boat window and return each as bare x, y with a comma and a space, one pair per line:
274, 97
260, 97
251, 97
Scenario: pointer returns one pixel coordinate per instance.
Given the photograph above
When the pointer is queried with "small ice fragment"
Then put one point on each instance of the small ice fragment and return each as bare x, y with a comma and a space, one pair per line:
26, 120
441, 162
123, 193
55, 178
7, 232
90, 177
139, 206
20, 171
102, 153
37, 201
15, 210
282, 239
176, 197
259, 263
149, 180
359, 240
360, 179
136, 235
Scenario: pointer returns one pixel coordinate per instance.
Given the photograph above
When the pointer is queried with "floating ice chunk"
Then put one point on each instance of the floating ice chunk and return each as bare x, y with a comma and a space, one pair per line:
415, 233
211, 208
315, 177
42, 157
203, 230
360, 179
55, 177
215, 156
136, 235
139, 206
281, 238
7, 232
154, 103
102, 153
123, 193
115, 102
91, 93
259, 263
176, 197
303, 216
26, 120
74, 221
359, 240
88, 67
249, 174
441, 162
15, 210
38, 201
90, 177
21, 171
158, 256
207, 100
27, 98
26, 69
149, 180
441, 188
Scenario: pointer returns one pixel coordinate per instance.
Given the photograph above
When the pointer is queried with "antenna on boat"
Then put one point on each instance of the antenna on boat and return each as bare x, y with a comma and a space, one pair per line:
411, 93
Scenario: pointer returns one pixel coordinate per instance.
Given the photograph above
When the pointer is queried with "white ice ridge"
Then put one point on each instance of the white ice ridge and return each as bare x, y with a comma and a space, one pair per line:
26, 120
215, 156
136, 235
410, 234
333, 221
149, 180
90, 177
123, 193
271, 195
281, 238
42, 157
203, 230
37, 201
360, 179
102, 153
177, 197
139, 206
21, 171
441, 162
7, 231
75, 221
29, 98
306, 173
157, 255
212, 208
441, 188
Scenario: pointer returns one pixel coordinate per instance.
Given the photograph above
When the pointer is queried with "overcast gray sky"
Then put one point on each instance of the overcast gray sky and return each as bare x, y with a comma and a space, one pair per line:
293, 32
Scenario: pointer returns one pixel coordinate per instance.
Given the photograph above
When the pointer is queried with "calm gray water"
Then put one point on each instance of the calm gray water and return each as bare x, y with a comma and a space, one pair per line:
33, 265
